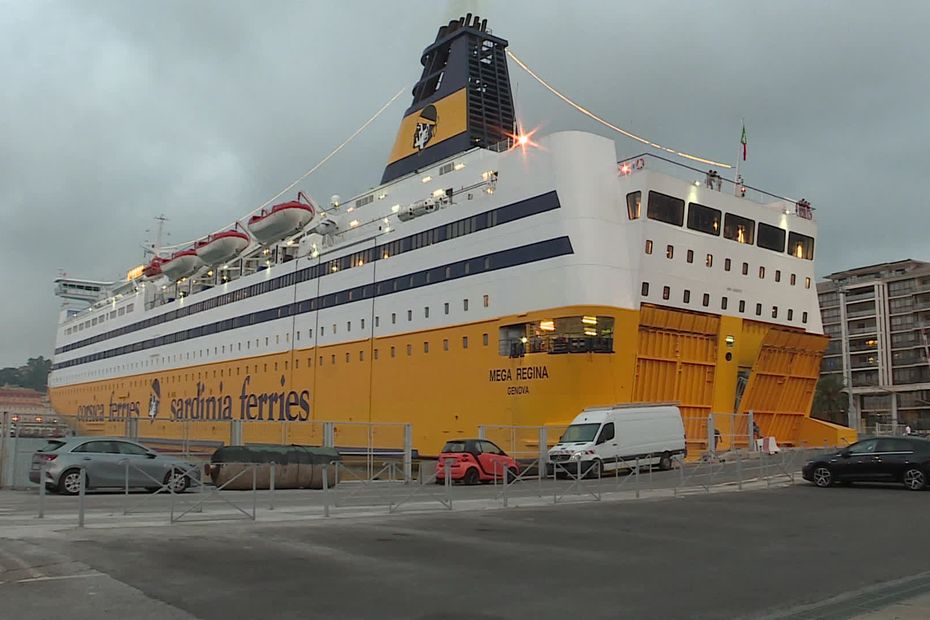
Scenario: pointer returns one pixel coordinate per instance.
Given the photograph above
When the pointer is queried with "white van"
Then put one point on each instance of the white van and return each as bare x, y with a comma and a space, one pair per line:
609, 438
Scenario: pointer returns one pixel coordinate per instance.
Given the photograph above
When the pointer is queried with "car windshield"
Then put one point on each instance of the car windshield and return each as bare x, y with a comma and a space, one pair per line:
51, 446
580, 432
454, 446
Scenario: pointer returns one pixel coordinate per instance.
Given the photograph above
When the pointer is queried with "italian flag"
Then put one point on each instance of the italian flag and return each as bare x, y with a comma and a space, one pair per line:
744, 140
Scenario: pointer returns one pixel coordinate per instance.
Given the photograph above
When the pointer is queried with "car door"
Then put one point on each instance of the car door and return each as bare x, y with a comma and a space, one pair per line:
857, 462
890, 458
100, 460
605, 446
492, 459
144, 471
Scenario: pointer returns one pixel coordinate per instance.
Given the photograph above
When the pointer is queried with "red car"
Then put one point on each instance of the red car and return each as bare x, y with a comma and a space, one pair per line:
473, 461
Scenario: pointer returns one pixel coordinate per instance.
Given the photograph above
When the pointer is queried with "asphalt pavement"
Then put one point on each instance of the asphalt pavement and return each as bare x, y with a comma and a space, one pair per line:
792, 551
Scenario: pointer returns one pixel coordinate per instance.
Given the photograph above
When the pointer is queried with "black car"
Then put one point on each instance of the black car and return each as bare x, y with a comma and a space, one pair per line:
885, 459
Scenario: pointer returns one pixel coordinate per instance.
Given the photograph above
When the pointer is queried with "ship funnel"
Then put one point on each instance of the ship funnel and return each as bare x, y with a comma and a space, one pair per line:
461, 101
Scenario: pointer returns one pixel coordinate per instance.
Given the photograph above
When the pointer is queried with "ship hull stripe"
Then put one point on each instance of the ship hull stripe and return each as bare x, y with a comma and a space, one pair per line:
505, 259
487, 219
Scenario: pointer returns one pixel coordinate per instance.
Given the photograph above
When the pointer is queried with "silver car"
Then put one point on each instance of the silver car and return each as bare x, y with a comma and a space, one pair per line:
106, 461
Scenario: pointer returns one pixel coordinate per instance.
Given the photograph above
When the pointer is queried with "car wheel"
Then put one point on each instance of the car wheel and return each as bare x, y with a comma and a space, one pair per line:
70, 482
471, 477
665, 462
914, 479
823, 477
177, 481
596, 470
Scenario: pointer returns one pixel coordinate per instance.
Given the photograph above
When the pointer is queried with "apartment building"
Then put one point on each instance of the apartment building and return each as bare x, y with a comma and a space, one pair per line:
877, 318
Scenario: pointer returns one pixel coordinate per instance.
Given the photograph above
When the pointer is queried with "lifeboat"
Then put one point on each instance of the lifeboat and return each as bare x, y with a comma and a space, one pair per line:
153, 269
221, 247
181, 264
280, 221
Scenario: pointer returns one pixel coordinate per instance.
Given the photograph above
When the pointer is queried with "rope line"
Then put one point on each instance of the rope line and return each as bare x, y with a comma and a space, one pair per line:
608, 124
301, 177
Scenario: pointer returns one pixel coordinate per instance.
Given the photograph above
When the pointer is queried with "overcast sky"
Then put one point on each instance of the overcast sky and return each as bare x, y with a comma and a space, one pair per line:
114, 112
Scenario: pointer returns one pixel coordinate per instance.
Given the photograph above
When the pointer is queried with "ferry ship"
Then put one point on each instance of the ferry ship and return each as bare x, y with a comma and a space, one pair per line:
490, 279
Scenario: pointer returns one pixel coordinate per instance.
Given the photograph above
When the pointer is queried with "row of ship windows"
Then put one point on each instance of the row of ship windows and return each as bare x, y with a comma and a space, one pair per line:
727, 264
671, 210
87, 324
390, 352
724, 302
445, 232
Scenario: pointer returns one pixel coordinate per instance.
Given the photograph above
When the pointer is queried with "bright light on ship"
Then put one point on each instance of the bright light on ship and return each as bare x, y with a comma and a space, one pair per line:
590, 331
439, 193
395, 208
353, 223
524, 339
547, 326
589, 320
426, 179
522, 140
459, 166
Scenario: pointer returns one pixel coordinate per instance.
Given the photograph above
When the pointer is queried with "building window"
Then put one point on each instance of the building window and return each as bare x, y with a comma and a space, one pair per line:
778, 275
758, 309
648, 246
465, 305
645, 289
771, 237
706, 300
801, 246
804, 317
807, 282
690, 256
709, 260
487, 301
727, 264
761, 272
666, 292
703, 219
445, 307
633, 200
790, 314
666, 209
686, 296
723, 303
745, 269
739, 229
669, 251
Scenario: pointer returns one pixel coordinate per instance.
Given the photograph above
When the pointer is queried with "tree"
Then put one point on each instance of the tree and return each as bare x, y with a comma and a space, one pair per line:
831, 403
33, 375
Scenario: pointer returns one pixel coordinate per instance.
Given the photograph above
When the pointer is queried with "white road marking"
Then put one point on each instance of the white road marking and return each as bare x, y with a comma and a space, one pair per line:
60, 577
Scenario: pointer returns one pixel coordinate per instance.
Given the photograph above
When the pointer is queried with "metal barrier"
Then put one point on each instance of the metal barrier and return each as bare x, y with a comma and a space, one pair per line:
214, 492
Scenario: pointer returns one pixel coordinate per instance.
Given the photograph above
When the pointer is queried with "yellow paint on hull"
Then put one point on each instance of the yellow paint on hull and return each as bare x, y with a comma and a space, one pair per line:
444, 383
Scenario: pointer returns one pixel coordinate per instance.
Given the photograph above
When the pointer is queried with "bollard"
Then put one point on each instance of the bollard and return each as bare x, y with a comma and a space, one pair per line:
254, 489
739, 470
681, 476
447, 466
42, 490
504, 487
81, 500
271, 486
326, 489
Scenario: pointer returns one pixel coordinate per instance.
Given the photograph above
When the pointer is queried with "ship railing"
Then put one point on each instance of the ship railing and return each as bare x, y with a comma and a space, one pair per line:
701, 177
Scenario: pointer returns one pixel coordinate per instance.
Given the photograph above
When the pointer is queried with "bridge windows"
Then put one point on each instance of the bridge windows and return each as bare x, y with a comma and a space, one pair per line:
664, 208
771, 237
704, 219
633, 205
739, 229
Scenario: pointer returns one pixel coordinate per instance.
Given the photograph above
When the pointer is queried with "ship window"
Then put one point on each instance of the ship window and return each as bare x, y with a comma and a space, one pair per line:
666, 292
445, 344
793, 279
409, 349
121, 311
706, 300
771, 237
375, 353
739, 229
709, 260
758, 309
669, 251
425, 346
742, 305
347, 357
690, 256
774, 312
426, 312
633, 200
485, 339
807, 282
778, 275
130, 307
348, 326
703, 219
761, 272
487, 301
790, 314
745, 269
393, 352
363, 323
723, 303
445, 307
409, 315
645, 289
465, 305
801, 246
804, 317
464, 342
727, 264
648, 246
377, 321
686, 296
393, 318
666, 209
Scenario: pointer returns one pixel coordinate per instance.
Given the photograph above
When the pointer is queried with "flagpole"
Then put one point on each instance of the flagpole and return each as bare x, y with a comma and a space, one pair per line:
739, 158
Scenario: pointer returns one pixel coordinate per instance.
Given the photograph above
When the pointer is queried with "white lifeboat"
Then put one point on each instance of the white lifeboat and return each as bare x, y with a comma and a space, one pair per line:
181, 264
282, 220
221, 247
